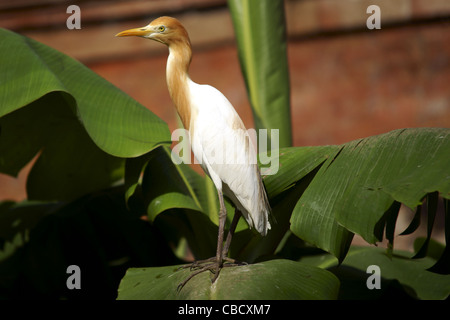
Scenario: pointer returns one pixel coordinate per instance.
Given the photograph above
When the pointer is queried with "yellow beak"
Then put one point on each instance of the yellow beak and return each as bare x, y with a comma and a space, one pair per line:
133, 32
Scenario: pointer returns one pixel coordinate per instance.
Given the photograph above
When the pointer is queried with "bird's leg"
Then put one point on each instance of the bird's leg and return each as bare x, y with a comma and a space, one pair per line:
232, 262
213, 264
237, 215
229, 261
222, 220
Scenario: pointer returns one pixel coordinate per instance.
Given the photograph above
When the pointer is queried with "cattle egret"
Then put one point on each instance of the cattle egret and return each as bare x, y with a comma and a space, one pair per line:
214, 129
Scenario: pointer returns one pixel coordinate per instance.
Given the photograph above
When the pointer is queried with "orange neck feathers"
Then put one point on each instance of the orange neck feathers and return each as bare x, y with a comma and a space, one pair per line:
177, 74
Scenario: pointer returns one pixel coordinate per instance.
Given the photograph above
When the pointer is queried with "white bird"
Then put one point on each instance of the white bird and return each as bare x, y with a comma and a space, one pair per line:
218, 137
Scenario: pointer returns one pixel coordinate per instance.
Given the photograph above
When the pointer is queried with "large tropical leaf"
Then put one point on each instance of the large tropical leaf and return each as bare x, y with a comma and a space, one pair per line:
270, 280
356, 186
260, 30
411, 275
293, 164
172, 189
116, 123
80, 123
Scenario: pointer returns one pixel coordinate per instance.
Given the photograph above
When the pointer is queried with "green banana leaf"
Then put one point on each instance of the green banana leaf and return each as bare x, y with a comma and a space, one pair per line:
270, 280
260, 30
79, 124
412, 275
116, 123
171, 190
355, 187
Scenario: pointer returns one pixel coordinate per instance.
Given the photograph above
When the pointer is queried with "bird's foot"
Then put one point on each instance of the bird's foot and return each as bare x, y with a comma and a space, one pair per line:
211, 265
199, 264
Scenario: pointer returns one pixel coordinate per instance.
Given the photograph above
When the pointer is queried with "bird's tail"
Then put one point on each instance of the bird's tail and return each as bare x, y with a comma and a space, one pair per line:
262, 225
258, 211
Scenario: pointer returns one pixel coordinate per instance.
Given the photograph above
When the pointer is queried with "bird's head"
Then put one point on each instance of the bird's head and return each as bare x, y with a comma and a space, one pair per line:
166, 30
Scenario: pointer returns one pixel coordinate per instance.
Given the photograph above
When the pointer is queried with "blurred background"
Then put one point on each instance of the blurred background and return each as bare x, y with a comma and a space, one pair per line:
347, 82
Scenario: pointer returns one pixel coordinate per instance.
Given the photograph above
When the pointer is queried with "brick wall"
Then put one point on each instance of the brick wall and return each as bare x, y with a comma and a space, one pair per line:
347, 81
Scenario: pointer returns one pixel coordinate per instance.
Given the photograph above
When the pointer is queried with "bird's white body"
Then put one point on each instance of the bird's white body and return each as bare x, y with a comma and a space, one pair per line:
226, 153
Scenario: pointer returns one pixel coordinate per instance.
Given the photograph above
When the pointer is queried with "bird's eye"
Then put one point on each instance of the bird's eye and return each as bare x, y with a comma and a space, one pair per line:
161, 28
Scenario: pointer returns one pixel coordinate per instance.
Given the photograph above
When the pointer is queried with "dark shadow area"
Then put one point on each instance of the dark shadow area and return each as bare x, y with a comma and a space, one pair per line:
354, 286
98, 234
